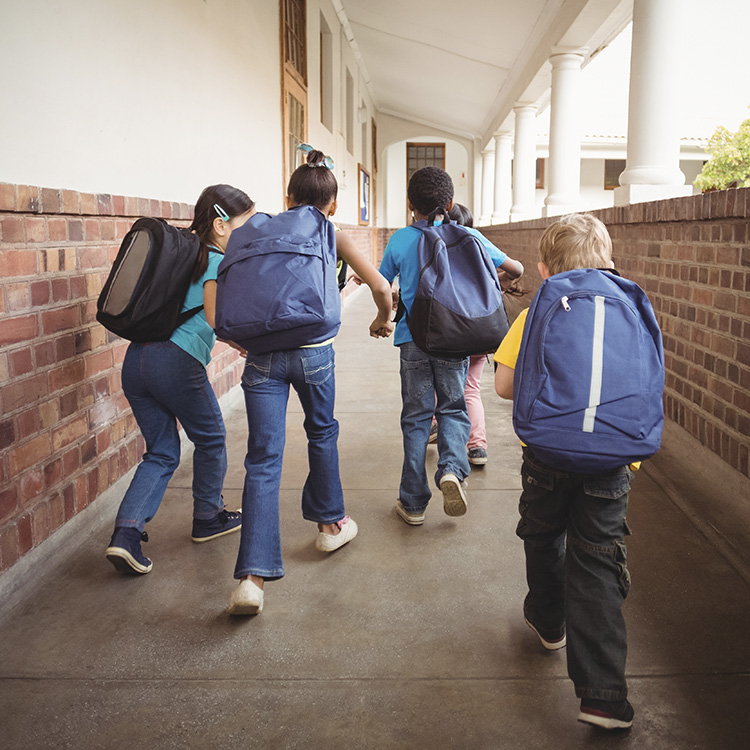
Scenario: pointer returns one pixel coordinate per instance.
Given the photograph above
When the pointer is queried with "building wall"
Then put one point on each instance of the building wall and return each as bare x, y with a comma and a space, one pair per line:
145, 97
692, 257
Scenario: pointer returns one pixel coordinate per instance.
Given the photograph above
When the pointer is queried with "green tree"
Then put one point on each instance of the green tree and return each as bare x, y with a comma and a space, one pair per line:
729, 165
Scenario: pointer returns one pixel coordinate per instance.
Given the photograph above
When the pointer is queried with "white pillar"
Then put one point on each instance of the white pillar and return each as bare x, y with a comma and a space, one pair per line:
503, 196
524, 164
476, 204
488, 181
652, 170
564, 163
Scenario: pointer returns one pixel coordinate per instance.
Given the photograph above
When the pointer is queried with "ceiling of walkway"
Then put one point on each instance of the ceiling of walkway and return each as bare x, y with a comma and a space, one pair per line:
461, 66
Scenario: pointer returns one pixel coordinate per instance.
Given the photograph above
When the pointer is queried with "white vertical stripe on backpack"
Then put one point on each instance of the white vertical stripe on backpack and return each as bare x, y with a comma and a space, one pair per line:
597, 364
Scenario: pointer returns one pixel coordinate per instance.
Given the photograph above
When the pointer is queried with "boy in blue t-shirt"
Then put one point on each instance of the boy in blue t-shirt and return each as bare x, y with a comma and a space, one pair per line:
430, 385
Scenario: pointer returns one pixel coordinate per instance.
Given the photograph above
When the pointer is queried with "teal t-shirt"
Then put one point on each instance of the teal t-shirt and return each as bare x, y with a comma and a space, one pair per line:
195, 336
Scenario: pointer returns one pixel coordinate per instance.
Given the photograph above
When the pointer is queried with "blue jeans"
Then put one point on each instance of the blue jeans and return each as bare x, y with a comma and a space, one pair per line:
425, 379
265, 383
164, 383
578, 588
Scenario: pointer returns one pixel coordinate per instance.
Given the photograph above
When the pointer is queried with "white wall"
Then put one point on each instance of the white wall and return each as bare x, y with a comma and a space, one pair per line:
151, 98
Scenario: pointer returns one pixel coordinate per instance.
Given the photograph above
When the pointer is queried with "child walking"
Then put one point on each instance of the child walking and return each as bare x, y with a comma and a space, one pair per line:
430, 385
573, 524
166, 381
310, 371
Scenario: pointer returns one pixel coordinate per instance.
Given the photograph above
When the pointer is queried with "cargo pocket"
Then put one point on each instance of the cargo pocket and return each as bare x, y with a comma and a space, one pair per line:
621, 560
257, 369
608, 486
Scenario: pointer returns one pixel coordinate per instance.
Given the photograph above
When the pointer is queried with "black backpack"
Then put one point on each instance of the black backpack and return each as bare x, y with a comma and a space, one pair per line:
143, 296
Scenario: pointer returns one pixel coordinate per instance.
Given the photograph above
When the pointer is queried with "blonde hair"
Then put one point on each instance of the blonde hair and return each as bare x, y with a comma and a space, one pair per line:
576, 241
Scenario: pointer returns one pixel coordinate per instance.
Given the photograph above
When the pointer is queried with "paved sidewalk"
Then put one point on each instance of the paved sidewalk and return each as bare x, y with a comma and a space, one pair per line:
407, 638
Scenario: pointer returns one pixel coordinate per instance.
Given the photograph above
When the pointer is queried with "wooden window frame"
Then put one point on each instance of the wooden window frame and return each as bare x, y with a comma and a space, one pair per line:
604, 179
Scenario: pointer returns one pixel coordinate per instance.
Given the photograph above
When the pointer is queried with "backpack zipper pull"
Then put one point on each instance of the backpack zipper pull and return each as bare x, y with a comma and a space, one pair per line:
565, 304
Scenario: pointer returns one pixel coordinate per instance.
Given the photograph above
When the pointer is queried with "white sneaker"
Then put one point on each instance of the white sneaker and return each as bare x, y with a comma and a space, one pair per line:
246, 599
454, 498
331, 542
413, 519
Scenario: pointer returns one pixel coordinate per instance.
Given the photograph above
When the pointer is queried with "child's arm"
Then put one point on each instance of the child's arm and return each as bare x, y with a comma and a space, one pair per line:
511, 267
380, 288
504, 381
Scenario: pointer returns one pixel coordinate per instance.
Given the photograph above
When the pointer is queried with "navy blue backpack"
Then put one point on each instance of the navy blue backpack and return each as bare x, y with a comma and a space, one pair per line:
458, 307
277, 286
588, 384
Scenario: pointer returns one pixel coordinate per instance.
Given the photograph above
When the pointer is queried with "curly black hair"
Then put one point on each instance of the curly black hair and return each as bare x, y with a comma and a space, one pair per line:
430, 188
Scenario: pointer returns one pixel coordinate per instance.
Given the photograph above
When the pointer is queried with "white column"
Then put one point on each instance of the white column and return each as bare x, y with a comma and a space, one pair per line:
488, 181
524, 164
564, 163
503, 195
652, 171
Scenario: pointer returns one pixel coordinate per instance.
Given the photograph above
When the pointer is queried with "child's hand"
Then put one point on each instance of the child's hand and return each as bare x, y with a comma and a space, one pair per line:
353, 277
381, 329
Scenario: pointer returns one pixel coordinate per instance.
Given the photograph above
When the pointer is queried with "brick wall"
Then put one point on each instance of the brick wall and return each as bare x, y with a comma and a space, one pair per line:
66, 430
692, 257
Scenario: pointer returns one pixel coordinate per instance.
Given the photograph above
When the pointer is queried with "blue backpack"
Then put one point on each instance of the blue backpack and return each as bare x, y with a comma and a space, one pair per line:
588, 384
276, 286
458, 307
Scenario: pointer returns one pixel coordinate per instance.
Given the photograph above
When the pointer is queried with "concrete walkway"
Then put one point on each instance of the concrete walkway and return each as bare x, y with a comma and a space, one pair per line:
406, 638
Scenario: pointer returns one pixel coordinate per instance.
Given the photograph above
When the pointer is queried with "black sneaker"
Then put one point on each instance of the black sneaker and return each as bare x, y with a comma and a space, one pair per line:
124, 551
551, 640
606, 714
225, 522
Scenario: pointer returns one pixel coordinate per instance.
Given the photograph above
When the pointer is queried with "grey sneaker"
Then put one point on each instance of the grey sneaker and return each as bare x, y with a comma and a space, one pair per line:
477, 456
454, 498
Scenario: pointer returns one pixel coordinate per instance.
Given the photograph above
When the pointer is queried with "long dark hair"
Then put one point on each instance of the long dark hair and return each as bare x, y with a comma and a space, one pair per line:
232, 201
313, 184
461, 215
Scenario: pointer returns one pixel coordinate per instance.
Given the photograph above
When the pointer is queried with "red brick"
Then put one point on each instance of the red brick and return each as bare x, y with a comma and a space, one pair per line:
75, 230
31, 486
36, 230
65, 347
81, 493
53, 473
23, 392
60, 290
29, 454
20, 362
57, 229
71, 202
61, 319
69, 501
17, 262
7, 197
78, 287
50, 201
72, 431
93, 257
118, 205
102, 412
9, 552
56, 512
18, 297
98, 363
88, 203
16, 330
7, 433
88, 450
104, 204
68, 404
92, 230
40, 523
66, 375
44, 354
8, 502
71, 461
28, 423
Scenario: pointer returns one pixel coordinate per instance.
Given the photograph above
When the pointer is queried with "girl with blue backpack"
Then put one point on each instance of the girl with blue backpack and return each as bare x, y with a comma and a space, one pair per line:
166, 381
294, 255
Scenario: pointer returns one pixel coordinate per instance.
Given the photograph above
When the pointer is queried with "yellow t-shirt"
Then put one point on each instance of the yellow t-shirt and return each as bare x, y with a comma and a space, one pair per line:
507, 354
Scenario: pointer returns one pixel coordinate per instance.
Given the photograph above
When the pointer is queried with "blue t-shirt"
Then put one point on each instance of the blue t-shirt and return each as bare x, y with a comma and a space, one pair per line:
400, 259
195, 336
